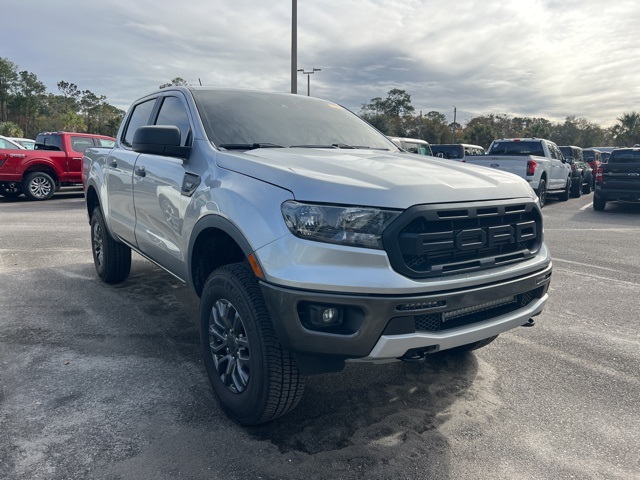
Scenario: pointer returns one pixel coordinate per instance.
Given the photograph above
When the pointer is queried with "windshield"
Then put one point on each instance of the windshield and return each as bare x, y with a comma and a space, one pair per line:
625, 156
448, 151
257, 119
517, 148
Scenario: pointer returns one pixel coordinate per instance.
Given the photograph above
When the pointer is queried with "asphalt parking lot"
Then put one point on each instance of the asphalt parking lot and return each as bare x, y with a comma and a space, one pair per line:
107, 382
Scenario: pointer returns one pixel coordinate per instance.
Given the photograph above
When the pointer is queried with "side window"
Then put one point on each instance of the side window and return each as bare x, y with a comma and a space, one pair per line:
139, 117
172, 112
553, 150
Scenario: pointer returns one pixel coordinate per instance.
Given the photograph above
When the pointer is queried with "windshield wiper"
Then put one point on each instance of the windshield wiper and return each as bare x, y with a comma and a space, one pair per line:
248, 146
333, 145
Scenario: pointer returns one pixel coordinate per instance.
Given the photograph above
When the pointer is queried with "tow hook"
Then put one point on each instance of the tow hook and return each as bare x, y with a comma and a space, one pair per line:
416, 355
530, 323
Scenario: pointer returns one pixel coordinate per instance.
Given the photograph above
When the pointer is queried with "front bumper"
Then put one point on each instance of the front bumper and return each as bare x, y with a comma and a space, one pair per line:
378, 327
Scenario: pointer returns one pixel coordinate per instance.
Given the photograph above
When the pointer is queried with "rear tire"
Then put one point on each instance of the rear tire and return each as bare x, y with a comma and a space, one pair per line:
255, 378
542, 192
586, 188
599, 203
111, 258
38, 186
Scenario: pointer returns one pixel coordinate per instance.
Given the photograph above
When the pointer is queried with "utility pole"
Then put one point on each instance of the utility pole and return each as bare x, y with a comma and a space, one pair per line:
294, 46
453, 128
308, 74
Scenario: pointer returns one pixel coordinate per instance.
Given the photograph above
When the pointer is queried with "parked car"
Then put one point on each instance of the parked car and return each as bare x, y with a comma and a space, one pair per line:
27, 143
457, 151
10, 144
618, 179
413, 145
310, 238
540, 162
581, 172
55, 161
594, 157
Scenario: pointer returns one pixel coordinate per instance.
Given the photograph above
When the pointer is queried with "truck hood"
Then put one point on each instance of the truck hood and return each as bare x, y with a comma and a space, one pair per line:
373, 178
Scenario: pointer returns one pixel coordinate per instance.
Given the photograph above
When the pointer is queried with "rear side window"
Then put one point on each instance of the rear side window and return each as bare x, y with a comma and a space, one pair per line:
80, 144
48, 142
625, 156
139, 117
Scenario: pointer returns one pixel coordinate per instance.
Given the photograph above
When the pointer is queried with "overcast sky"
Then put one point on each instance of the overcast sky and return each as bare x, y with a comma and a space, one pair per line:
550, 59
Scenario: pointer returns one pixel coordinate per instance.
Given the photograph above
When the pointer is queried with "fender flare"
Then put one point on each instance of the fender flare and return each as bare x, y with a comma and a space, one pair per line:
35, 162
220, 223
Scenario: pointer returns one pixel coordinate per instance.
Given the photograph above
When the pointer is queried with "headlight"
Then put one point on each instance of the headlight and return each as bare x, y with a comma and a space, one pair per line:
355, 226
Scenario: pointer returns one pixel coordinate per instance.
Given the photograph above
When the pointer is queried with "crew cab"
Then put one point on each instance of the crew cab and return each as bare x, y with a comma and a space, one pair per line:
540, 162
618, 178
56, 161
311, 238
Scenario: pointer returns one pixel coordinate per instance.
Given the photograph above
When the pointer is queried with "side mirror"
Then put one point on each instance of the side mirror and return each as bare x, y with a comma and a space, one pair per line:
159, 140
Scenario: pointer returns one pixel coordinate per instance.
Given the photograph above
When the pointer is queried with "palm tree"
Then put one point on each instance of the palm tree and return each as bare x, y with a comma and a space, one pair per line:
627, 130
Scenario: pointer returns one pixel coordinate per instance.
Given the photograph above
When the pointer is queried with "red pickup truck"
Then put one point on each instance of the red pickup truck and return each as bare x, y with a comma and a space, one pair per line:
55, 162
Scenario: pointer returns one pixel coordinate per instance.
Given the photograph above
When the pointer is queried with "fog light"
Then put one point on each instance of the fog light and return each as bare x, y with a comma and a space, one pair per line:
329, 315
324, 315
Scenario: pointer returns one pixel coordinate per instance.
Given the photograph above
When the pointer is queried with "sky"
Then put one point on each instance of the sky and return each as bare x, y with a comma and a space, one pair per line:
537, 58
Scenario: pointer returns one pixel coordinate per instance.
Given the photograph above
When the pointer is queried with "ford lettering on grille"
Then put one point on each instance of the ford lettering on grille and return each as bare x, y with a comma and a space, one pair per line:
475, 238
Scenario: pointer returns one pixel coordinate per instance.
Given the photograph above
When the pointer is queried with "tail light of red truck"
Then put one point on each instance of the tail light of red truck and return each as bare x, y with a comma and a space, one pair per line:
599, 175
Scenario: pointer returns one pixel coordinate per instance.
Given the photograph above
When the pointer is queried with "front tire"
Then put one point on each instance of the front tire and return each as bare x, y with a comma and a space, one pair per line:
10, 189
255, 378
576, 189
39, 186
111, 258
586, 189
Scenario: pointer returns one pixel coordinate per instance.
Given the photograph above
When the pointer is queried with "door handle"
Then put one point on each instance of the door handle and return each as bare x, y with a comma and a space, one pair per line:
140, 171
113, 163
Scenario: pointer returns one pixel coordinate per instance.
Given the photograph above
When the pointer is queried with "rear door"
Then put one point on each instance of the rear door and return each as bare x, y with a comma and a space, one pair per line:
159, 201
559, 170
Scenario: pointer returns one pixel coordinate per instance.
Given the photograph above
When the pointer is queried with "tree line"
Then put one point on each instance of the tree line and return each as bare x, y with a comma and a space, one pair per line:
26, 108
395, 116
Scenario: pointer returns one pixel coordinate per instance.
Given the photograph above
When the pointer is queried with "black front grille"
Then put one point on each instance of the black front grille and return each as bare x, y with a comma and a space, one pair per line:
434, 240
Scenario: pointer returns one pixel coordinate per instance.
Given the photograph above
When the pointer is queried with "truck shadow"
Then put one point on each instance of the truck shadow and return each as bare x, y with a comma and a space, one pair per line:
375, 405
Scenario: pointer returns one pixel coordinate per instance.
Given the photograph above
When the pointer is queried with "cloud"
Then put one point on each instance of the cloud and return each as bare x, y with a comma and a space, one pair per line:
536, 58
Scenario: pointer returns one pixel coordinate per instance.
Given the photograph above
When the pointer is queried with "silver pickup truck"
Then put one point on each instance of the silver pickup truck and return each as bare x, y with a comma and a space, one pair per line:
311, 238
540, 162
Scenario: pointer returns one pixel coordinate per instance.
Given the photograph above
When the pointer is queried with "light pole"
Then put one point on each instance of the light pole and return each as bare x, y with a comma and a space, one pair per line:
294, 46
308, 74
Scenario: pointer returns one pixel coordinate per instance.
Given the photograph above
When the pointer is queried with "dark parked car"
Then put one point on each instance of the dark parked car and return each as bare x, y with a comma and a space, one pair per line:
582, 178
457, 151
618, 179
